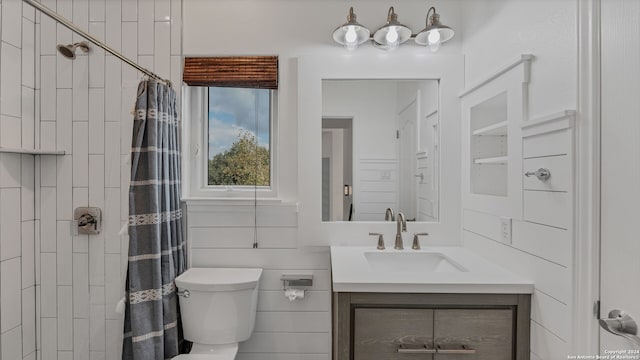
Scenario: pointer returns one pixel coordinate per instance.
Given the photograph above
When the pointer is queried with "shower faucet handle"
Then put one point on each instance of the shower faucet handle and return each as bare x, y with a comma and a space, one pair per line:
86, 220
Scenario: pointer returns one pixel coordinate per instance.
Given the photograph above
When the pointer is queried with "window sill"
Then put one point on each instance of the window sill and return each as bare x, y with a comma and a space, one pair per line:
230, 201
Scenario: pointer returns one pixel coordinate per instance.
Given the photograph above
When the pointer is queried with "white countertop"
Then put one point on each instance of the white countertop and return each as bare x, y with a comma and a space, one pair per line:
351, 272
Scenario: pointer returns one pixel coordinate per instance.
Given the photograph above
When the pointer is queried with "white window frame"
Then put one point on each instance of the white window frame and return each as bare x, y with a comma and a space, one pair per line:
195, 152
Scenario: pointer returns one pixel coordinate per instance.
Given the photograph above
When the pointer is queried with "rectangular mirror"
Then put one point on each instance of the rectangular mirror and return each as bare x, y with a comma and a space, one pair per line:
380, 149
337, 98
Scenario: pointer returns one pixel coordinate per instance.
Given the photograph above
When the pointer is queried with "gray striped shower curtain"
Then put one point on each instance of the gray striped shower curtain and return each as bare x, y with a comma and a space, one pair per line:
156, 245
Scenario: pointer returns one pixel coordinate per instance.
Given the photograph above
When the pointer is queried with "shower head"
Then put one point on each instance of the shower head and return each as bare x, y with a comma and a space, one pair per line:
69, 51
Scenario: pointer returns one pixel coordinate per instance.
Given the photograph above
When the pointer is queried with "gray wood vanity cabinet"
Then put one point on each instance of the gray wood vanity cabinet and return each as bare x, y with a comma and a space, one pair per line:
388, 326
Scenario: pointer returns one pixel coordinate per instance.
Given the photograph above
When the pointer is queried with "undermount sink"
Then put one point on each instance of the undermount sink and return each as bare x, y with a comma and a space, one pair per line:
437, 270
414, 262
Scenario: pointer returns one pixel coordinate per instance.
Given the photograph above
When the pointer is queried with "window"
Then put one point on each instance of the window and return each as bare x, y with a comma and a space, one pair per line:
238, 137
230, 126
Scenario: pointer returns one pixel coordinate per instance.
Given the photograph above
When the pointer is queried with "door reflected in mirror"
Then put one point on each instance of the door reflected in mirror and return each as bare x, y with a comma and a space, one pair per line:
380, 149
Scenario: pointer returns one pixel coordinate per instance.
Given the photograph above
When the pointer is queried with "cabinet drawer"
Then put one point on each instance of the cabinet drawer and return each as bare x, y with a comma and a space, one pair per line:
547, 144
559, 167
379, 332
548, 208
487, 331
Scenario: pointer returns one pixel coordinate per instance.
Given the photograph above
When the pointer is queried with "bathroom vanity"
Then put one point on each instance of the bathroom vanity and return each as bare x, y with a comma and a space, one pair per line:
440, 303
392, 326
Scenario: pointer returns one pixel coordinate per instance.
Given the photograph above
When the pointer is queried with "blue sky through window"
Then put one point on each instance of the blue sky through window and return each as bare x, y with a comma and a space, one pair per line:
233, 110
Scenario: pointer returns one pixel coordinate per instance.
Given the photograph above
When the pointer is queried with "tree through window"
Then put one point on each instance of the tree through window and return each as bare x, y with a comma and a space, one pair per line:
239, 137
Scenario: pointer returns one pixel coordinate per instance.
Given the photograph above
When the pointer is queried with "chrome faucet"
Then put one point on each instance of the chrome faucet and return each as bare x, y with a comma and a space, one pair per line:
402, 227
388, 215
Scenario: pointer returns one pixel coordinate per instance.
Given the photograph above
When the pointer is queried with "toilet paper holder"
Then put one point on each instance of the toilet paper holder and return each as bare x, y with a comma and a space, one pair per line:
296, 281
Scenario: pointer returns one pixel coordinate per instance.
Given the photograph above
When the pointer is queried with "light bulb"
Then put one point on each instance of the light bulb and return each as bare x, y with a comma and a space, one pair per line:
434, 37
350, 37
392, 35
434, 47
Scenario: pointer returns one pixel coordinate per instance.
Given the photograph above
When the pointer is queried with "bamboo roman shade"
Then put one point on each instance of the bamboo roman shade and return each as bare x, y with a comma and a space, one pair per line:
258, 72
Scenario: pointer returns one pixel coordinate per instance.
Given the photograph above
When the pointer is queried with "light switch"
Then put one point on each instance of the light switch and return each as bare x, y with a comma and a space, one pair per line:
505, 230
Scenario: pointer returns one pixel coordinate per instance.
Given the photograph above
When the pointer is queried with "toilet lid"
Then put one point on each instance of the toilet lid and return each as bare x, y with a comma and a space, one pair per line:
218, 279
205, 357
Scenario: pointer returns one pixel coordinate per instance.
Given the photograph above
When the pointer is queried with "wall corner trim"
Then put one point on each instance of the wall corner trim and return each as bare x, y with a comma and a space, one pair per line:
522, 59
545, 124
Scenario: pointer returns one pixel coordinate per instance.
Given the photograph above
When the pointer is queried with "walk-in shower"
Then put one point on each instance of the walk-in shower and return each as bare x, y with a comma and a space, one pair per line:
69, 51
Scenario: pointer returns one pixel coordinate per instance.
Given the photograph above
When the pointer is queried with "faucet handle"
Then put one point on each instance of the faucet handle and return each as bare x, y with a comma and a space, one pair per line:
380, 240
416, 243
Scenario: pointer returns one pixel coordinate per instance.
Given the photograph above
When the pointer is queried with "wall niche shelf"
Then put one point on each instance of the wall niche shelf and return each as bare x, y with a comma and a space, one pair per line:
495, 115
497, 129
489, 128
498, 160
31, 151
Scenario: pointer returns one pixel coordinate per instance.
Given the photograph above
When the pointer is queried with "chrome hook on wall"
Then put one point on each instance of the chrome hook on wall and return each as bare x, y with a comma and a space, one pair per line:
542, 174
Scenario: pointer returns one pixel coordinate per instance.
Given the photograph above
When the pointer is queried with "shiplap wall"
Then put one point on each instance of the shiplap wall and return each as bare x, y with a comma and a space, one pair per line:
223, 235
542, 254
17, 188
376, 188
541, 244
85, 109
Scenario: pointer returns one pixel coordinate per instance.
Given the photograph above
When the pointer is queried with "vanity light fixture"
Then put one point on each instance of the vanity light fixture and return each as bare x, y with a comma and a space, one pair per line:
393, 33
351, 34
435, 33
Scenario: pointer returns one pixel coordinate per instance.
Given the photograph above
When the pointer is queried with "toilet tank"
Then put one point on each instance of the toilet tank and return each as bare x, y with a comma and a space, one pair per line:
221, 304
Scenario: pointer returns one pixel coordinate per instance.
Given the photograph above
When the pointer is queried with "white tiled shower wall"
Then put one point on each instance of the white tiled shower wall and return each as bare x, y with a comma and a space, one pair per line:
17, 188
85, 109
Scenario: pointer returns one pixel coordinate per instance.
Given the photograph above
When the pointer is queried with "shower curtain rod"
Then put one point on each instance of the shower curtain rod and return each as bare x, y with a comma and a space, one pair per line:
71, 26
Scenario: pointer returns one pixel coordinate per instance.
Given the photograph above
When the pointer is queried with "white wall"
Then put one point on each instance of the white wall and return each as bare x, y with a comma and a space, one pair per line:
17, 188
85, 109
289, 29
222, 236
495, 32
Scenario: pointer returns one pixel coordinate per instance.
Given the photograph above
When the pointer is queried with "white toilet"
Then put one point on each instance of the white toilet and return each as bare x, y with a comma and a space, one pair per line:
218, 307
